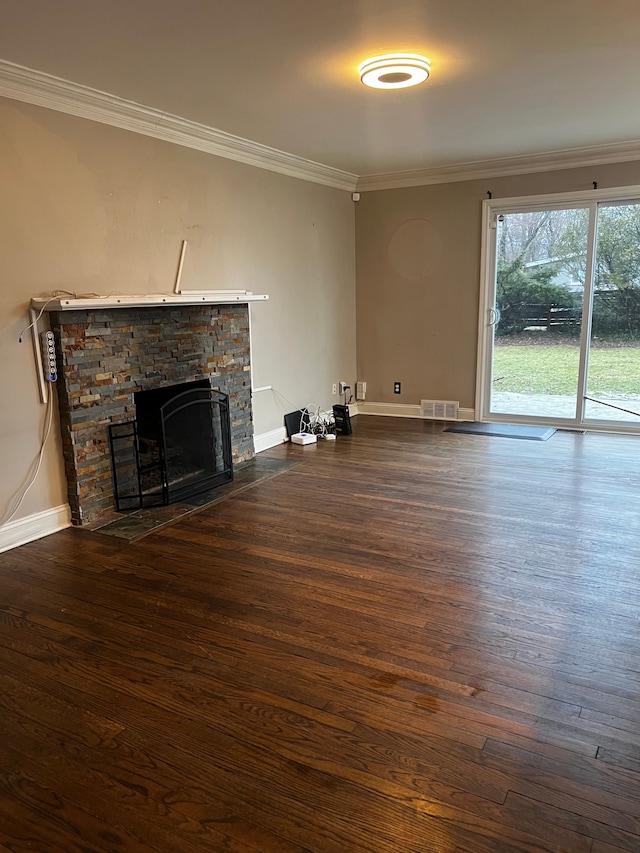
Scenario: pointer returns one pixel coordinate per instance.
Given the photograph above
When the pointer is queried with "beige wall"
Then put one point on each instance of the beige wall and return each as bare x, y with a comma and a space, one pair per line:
418, 276
90, 208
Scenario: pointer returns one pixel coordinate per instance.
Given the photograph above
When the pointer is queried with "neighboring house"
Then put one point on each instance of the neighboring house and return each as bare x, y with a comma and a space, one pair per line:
563, 276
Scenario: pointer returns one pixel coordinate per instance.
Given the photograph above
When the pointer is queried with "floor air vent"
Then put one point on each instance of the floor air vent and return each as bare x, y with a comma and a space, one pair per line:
439, 410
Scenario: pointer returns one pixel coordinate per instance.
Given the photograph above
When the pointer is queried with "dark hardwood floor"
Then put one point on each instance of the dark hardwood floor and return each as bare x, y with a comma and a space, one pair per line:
411, 642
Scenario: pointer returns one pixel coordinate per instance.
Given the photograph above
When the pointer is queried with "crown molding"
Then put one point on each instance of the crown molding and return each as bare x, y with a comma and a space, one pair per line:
54, 93
44, 90
570, 158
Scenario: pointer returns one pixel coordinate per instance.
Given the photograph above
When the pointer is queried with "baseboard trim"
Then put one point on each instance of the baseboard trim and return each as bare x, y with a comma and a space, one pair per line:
389, 410
466, 414
35, 526
269, 439
405, 410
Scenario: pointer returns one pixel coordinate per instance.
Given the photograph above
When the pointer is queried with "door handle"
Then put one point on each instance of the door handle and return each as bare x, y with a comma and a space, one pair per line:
494, 316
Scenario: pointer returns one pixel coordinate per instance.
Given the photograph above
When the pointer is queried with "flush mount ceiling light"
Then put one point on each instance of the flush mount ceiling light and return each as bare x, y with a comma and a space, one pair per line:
395, 70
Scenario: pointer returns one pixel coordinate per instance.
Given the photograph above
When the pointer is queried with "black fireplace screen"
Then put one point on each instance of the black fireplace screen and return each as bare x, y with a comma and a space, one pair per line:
179, 445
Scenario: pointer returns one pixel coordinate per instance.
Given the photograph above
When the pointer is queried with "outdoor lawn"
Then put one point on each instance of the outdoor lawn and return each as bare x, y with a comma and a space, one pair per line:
614, 371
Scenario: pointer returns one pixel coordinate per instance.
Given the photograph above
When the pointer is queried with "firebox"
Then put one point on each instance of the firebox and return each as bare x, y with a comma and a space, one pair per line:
179, 445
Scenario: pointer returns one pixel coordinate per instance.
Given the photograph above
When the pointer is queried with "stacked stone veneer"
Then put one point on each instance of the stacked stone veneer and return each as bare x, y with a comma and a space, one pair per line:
105, 356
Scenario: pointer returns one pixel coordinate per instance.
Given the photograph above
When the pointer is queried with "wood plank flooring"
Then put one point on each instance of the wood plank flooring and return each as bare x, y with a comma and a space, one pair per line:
410, 642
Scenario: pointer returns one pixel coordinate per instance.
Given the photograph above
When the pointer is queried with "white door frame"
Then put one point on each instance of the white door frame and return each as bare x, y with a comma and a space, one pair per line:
491, 208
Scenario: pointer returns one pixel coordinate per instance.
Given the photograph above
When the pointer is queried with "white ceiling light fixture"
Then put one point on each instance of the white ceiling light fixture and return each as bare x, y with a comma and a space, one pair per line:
395, 70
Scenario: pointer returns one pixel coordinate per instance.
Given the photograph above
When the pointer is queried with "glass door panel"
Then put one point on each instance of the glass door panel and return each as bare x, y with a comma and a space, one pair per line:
541, 259
613, 377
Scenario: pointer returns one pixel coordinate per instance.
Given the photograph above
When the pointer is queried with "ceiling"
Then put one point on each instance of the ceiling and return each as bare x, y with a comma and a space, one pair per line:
508, 78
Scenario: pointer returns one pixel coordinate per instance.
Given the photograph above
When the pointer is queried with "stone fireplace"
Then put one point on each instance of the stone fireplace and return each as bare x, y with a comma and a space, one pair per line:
106, 355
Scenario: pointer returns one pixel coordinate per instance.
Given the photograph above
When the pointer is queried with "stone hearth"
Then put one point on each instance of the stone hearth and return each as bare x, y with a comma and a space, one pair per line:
106, 355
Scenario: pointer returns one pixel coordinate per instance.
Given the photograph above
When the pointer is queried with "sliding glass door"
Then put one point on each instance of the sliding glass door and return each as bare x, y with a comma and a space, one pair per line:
560, 317
613, 376
539, 296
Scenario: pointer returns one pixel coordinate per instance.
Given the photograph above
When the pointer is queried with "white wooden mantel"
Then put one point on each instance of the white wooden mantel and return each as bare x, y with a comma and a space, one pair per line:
194, 297
40, 304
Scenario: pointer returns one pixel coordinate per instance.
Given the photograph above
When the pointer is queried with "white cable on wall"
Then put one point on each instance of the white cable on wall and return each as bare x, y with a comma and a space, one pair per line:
22, 493
45, 391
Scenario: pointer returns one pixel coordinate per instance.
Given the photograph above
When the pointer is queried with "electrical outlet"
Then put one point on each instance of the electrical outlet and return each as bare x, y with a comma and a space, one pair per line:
343, 385
397, 387
334, 388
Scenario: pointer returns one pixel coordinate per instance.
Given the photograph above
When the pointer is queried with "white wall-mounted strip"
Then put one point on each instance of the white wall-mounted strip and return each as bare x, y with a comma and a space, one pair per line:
54, 93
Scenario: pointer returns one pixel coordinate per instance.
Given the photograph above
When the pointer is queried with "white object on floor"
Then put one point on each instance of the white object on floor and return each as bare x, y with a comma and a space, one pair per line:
303, 438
